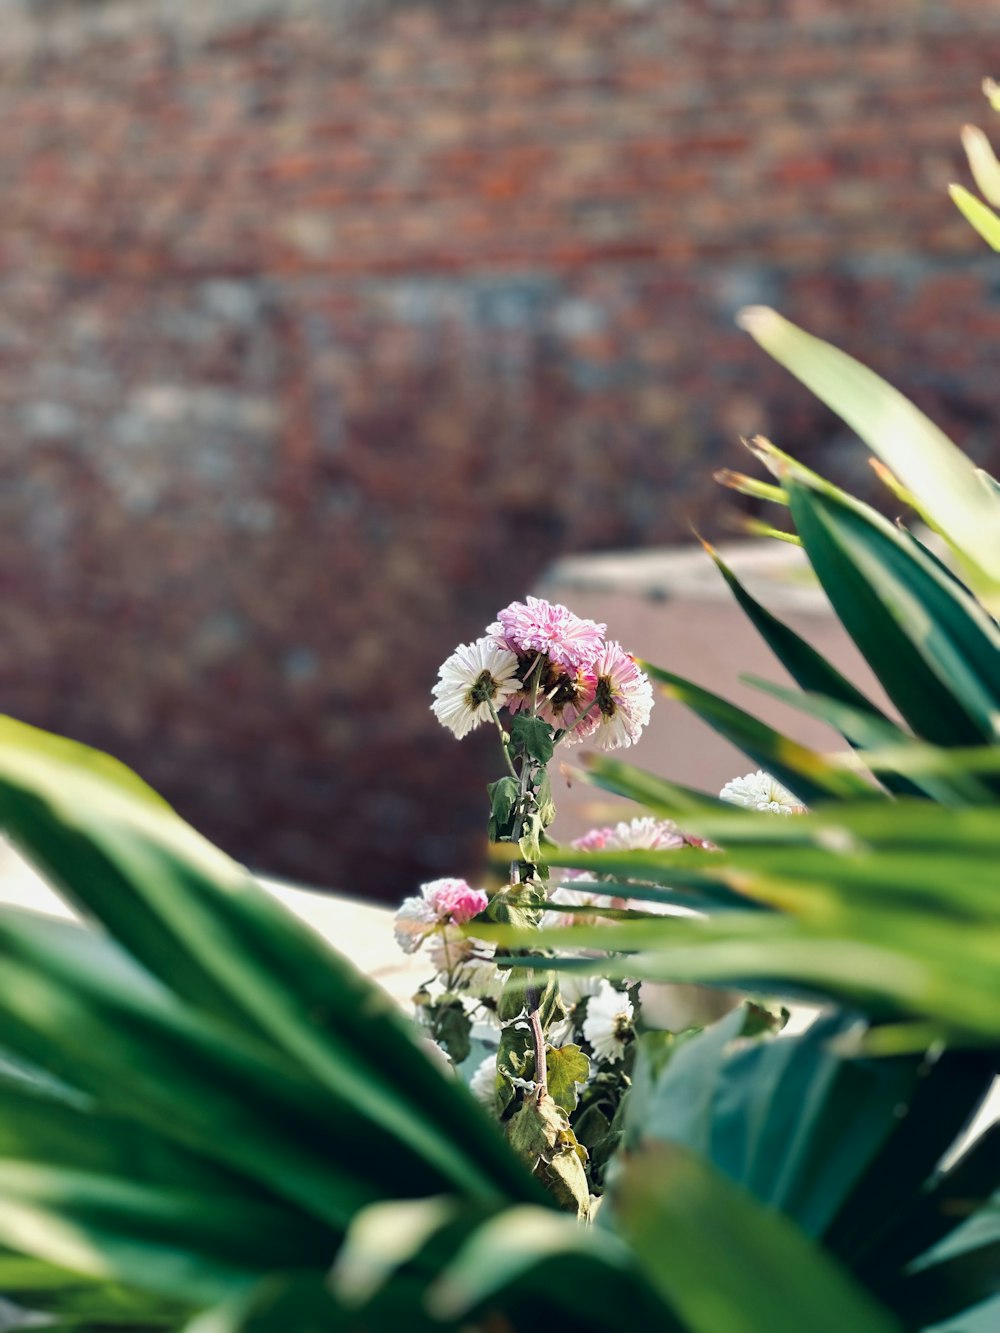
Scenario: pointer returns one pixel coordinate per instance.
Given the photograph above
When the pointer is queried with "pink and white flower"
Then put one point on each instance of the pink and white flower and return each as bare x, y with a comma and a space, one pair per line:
442, 902
622, 702
537, 626
476, 679
455, 900
645, 834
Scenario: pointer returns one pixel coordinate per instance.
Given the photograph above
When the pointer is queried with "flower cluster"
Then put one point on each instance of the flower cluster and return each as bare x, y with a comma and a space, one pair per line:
540, 657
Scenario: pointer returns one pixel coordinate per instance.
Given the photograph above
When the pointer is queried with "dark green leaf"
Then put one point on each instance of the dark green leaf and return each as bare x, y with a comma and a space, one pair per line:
199, 922
532, 736
804, 771
725, 1263
935, 652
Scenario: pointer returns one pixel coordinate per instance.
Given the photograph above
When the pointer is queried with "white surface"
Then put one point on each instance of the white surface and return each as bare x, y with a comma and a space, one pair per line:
361, 931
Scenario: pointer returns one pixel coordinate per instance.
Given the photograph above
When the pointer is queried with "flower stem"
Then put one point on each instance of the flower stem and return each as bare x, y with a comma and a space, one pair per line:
532, 1000
504, 739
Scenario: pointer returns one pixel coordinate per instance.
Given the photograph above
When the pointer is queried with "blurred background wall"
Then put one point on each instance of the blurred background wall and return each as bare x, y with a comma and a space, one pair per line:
325, 326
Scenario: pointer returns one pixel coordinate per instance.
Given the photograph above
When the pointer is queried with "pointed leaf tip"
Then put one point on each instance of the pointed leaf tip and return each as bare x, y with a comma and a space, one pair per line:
754, 319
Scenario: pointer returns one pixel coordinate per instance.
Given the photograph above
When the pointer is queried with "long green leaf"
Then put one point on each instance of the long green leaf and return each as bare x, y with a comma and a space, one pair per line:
982, 218
187, 1246
805, 771
807, 667
660, 795
927, 463
594, 1278
198, 921
902, 964
724, 1262
810, 669
950, 1197
36, 1126
982, 163
143, 1056
793, 1121
866, 730
936, 654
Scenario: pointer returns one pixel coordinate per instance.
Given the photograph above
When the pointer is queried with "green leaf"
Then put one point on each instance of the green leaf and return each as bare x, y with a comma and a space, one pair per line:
381, 1240
534, 1258
725, 1263
949, 1197
37, 1285
912, 964
72, 1005
289, 1303
935, 652
567, 1066
812, 671
38, 1126
199, 922
663, 797
452, 1027
982, 218
804, 771
804, 664
503, 800
186, 1245
948, 1287
744, 485
957, 787
927, 463
532, 736
944, 1101
809, 1131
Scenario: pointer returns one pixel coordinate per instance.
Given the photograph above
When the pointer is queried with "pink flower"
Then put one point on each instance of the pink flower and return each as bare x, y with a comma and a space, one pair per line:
537, 626
623, 697
594, 840
454, 900
442, 901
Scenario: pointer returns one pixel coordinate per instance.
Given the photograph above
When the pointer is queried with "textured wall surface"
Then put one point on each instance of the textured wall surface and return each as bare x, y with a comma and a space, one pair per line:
323, 326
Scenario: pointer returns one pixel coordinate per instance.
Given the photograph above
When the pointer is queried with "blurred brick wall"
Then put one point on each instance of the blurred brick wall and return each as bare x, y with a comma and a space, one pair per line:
323, 326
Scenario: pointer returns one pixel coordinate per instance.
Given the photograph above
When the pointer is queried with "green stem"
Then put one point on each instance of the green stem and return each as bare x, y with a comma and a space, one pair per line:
504, 739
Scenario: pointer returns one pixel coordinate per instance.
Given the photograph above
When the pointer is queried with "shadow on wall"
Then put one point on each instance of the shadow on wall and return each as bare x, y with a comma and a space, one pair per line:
324, 328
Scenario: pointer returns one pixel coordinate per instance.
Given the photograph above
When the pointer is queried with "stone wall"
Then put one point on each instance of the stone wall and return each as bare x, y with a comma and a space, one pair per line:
324, 326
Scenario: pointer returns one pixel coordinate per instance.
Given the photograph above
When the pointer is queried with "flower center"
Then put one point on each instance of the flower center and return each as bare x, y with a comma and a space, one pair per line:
606, 701
484, 689
622, 1026
562, 688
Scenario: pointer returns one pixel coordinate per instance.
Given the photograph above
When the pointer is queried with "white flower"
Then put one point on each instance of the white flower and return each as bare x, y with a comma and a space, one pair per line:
608, 1023
760, 791
572, 898
647, 834
483, 1084
574, 987
475, 676
467, 959
414, 920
